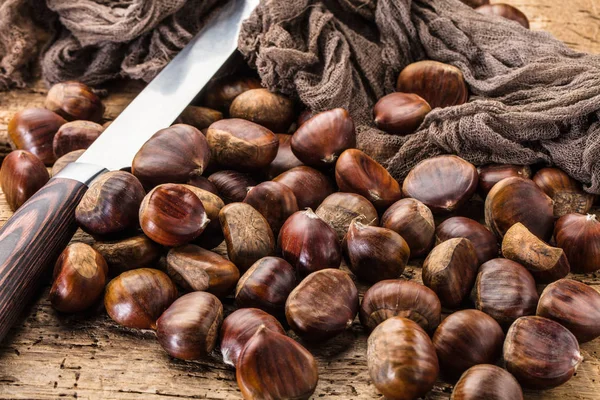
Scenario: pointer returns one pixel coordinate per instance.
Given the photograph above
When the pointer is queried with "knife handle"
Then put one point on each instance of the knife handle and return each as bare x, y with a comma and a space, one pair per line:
31, 241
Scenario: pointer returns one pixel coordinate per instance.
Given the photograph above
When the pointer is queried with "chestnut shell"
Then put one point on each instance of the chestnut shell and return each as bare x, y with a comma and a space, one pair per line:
339, 209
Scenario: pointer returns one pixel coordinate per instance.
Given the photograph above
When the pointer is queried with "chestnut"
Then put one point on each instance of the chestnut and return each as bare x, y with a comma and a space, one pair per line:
321, 139
578, 235
203, 183
130, 253
546, 263
188, 329
566, 193
484, 241
323, 305
308, 243
199, 117
212, 235
467, 338
304, 116
356, 172
75, 135
574, 305
374, 253
505, 290
172, 215
74, 100
475, 3
285, 158
414, 221
442, 183
339, 209
172, 155
541, 353
310, 186
247, 234
33, 129
232, 186
487, 381
400, 113
22, 174
515, 200
266, 285
397, 298
401, 359
239, 327
275, 201
273, 366
137, 298
505, 11
450, 270
219, 93
240, 144
491, 174
111, 204
66, 160
271, 110
79, 278
441, 85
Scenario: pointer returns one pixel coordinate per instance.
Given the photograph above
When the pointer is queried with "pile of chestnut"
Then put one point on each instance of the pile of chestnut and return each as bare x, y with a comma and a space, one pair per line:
290, 208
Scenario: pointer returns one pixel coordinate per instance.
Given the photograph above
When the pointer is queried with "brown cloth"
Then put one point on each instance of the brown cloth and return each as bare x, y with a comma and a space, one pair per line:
533, 99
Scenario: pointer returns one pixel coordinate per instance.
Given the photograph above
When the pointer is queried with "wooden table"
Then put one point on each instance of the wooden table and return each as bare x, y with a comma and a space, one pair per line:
49, 356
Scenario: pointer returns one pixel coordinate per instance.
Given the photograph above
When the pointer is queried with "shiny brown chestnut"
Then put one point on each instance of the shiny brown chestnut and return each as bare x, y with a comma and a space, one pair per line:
74, 101
232, 186
130, 253
491, 174
275, 201
414, 221
475, 3
505, 290
320, 140
66, 160
441, 85
356, 172
566, 193
239, 327
486, 381
400, 113
219, 93
442, 183
484, 241
374, 253
574, 305
310, 186
546, 263
33, 129
199, 117
79, 278
137, 298
111, 204
203, 183
541, 353
247, 234
75, 135
397, 298
285, 158
515, 200
308, 243
172, 155
21, 175
401, 359
579, 236
506, 11
212, 235
271, 110
172, 215
292, 374
339, 209
266, 285
467, 338
323, 305
188, 329
450, 270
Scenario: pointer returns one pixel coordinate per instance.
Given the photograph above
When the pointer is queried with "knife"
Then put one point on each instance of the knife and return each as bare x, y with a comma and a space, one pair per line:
33, 238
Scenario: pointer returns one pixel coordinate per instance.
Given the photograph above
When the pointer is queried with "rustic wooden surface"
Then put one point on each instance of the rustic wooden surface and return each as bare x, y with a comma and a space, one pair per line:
50, 356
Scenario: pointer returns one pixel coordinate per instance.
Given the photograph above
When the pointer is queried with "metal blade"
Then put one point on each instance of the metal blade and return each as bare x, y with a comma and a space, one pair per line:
161, 102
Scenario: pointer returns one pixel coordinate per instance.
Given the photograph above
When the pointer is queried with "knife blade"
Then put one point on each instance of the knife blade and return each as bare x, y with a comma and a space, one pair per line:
32, 239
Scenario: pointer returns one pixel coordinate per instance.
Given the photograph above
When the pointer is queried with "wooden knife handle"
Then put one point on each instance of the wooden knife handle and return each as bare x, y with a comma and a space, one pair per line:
30, 243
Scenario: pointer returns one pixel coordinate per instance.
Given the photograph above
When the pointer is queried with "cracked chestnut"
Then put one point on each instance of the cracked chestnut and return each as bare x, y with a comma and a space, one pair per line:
310, 186
414, 221
566, 193
74, 101
21, 176
339, 209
